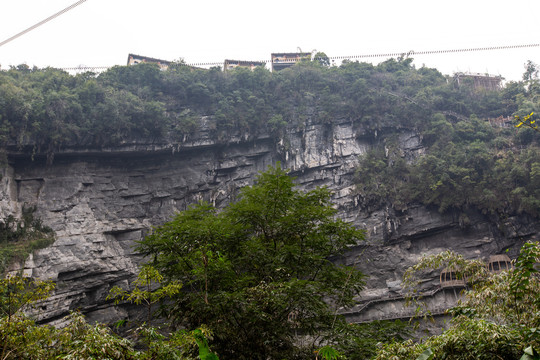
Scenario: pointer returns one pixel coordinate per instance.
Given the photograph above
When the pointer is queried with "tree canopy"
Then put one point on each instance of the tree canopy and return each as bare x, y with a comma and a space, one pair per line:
260, 273
471, 160
48, 108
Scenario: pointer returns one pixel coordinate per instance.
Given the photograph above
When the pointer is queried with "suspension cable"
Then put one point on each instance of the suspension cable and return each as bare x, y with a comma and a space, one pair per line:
52, 17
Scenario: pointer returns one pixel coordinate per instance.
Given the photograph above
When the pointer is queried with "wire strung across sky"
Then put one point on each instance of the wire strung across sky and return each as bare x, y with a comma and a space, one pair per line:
52, 17
404, 54
430, 52
383, 55
410, 53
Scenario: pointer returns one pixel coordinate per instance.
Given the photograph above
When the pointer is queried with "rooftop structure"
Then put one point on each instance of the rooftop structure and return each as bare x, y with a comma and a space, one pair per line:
137, 59
282, 61
480, 81
231, 64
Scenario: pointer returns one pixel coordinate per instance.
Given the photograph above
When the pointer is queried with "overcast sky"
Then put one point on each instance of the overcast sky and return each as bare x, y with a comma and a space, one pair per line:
104, 32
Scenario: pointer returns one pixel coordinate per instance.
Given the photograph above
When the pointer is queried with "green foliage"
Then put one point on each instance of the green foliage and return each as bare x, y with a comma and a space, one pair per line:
328, 353
18, 338
530, 354
22, 339
360, 341
144, 290
79, 340
426, 355
204, 350
43, 110
457, 173
498, 318
12, 230
19, 238
468, 163
322, 59
16, 292
180, 344
531, 71
257, 273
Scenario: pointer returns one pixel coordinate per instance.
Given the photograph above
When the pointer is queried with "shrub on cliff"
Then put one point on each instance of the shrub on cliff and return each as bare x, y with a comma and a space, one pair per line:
21, 338
19, 238
498, 318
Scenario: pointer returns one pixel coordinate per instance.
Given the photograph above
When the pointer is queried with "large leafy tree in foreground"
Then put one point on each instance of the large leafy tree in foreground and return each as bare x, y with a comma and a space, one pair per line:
259, 273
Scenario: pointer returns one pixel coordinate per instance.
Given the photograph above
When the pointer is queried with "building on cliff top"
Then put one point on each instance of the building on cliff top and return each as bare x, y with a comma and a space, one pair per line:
232, 64
480, 81
282, 61
137, 59
163, 64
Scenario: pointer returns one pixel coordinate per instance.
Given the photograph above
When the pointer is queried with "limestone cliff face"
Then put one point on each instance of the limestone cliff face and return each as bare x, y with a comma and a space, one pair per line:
100, 202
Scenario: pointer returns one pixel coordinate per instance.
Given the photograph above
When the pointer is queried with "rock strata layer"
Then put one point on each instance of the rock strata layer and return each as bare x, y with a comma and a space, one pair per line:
100, 202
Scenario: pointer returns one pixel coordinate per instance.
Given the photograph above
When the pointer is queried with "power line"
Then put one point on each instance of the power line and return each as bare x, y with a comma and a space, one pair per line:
52, 17
391, 54
86, 68
397, 54
430, 52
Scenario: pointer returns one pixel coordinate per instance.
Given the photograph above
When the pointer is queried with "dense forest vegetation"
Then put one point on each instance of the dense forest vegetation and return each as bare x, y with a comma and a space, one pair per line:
468, 164
51, 108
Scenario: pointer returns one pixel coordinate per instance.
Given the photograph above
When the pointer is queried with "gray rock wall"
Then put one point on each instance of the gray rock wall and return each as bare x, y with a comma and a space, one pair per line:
100, 202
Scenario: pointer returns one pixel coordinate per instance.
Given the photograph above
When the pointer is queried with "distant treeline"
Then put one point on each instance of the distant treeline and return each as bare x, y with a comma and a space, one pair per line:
50, 108
468, 162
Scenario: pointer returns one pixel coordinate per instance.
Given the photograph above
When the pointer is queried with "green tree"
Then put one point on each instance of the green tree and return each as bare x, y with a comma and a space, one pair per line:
531, 71
498, 318
261, 272
16, 292
322, 59
144, 290
22, 339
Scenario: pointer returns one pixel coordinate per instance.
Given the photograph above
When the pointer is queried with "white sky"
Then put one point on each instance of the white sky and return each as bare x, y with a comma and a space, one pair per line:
104, 32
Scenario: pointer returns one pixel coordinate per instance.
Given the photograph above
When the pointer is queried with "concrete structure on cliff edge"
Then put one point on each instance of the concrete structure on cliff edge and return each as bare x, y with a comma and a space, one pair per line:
282, 61
480, 81
232, 64
137, 59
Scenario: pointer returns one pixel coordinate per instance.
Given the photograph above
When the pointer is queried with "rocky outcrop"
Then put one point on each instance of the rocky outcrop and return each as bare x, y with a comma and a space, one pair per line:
100, 202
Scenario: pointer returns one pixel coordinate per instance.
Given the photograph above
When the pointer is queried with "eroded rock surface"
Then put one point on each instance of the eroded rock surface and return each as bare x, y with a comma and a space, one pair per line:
100, 202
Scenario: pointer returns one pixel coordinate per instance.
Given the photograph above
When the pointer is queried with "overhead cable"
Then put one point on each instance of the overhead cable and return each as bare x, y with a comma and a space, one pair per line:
42, 22
410, 53
397, 54
86, 68
430, 52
